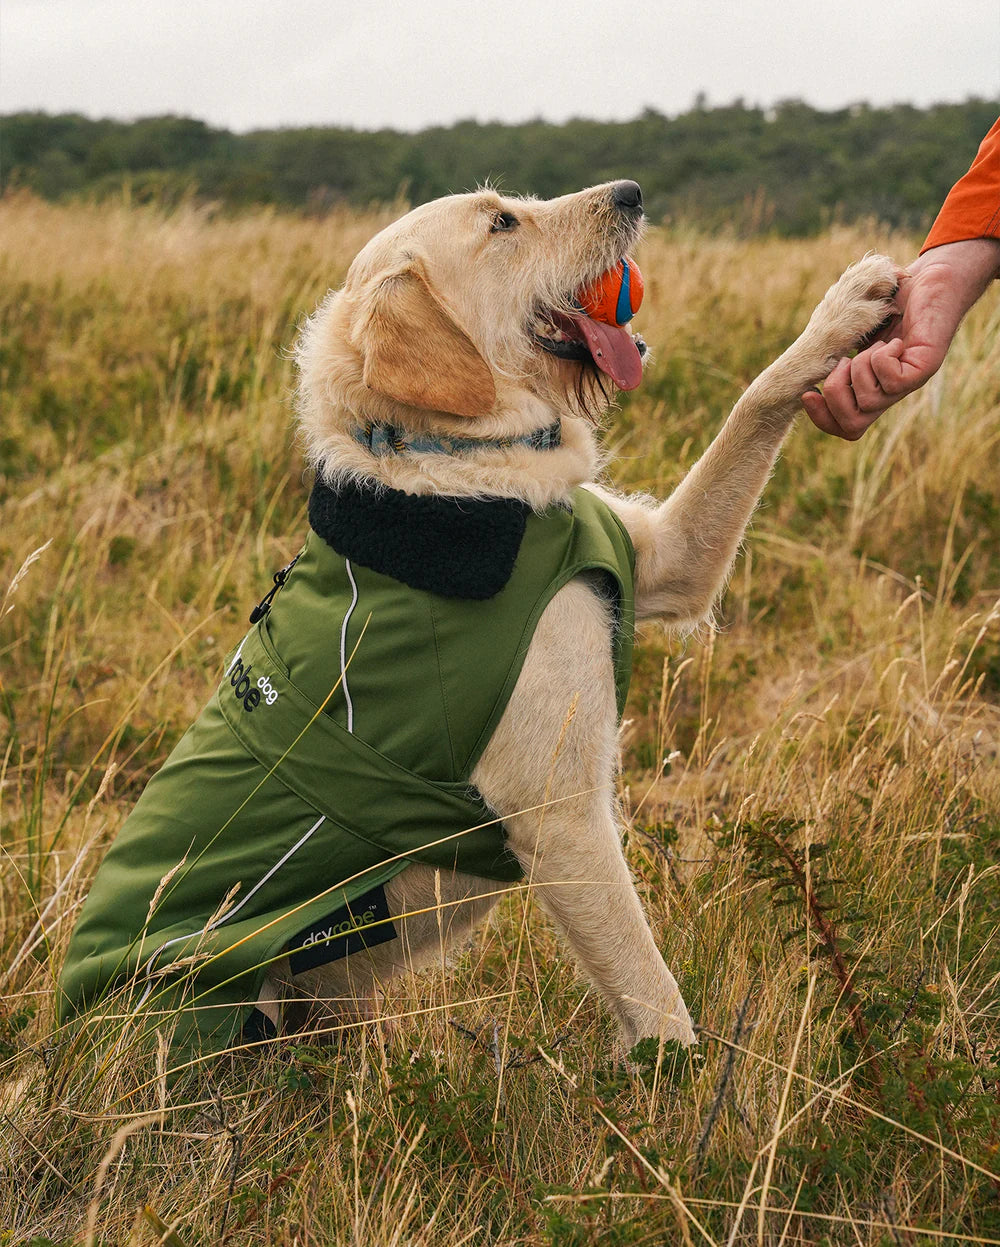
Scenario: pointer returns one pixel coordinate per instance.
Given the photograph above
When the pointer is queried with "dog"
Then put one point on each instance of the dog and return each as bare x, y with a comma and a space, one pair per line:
455, 373
472, 273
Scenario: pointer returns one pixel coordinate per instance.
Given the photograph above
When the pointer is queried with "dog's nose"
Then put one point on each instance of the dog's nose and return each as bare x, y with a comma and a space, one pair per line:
627, 196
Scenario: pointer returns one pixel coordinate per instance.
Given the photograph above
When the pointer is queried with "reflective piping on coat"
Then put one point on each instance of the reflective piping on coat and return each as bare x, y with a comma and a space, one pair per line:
236, 658
343, 647
212, 926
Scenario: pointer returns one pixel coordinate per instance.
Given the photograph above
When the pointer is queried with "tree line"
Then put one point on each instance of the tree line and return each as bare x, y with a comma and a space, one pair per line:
791, 169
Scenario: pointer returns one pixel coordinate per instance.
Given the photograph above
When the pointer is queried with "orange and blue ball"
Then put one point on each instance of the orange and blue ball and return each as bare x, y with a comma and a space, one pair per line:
615, 296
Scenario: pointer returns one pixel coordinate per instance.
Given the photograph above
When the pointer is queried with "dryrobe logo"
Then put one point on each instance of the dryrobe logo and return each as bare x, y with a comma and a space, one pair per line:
248, 691
323, 934
349, 929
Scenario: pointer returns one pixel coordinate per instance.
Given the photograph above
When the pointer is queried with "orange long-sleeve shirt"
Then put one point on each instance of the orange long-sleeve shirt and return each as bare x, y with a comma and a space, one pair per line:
972, 208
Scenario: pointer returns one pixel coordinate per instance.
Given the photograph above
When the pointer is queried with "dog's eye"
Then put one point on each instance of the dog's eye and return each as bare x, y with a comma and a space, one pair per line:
503, 222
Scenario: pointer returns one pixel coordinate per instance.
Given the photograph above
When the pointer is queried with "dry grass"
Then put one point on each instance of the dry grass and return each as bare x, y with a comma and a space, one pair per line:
814, 792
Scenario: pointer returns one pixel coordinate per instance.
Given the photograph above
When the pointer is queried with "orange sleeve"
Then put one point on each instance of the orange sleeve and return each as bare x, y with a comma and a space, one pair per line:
972, 209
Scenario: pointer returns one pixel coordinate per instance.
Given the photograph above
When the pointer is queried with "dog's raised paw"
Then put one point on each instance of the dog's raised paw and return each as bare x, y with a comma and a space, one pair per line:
857, 305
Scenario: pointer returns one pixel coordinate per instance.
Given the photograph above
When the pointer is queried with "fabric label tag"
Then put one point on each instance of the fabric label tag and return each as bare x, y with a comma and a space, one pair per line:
365, 923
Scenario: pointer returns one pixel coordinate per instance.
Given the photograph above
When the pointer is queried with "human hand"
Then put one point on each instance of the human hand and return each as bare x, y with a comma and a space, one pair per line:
934, 294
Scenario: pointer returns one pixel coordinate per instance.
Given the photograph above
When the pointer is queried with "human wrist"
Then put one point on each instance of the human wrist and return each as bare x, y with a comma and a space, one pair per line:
968, 266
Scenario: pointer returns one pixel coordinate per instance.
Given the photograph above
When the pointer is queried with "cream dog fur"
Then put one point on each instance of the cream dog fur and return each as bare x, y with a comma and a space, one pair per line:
434, 331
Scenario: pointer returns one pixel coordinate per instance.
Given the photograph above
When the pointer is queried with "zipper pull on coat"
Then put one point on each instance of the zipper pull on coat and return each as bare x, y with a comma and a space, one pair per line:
264, 605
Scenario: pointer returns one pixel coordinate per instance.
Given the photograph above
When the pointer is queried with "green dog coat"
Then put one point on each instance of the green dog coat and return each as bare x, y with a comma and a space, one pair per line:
337, 749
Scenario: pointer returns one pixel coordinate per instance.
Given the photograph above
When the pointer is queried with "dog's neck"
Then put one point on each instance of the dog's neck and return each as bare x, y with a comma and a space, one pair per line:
537, 476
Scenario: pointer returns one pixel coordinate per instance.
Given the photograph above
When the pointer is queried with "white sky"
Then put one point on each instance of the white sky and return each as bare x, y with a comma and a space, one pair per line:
410, 63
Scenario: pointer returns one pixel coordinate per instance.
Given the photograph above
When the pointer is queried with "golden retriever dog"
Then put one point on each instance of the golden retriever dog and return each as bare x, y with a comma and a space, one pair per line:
458, 321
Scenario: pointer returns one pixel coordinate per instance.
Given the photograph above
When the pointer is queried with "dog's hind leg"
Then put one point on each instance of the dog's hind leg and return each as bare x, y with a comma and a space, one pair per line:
431, 911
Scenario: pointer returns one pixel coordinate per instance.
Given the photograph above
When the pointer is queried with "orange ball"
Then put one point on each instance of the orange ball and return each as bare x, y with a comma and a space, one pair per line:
615, 296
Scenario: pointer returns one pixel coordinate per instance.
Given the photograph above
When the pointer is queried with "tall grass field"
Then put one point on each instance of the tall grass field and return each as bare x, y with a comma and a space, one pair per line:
811, 791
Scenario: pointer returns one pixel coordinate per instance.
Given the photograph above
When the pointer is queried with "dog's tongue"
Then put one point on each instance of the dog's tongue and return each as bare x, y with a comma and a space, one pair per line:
614, 351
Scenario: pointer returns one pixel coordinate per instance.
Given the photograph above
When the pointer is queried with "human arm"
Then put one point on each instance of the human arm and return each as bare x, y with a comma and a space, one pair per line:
959, 258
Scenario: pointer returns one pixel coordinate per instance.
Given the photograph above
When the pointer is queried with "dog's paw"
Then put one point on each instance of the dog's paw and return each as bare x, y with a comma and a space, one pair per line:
854, 308
671, 1022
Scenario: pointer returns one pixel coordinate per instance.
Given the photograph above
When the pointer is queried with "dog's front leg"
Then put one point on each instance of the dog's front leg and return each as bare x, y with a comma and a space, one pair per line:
575, 865
685, 546
549, 772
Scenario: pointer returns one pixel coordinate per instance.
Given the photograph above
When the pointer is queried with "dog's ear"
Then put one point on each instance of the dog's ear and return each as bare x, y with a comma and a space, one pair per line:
415, 352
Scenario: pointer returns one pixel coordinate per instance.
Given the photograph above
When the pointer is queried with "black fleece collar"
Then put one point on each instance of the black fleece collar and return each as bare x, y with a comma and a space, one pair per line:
454, 547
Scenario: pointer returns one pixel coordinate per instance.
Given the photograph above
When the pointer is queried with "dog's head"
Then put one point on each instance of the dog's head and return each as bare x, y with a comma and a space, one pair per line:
462, 318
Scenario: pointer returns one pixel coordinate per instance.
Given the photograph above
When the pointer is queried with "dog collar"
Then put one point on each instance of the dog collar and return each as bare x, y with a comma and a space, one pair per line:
384, 440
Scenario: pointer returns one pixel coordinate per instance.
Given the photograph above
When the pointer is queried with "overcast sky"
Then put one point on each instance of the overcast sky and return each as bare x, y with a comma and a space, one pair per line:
410, 63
